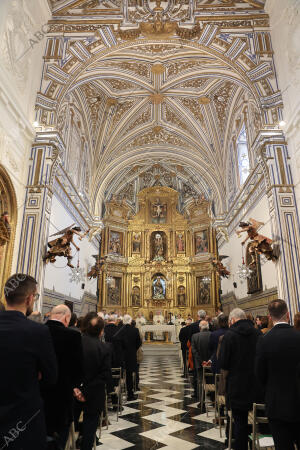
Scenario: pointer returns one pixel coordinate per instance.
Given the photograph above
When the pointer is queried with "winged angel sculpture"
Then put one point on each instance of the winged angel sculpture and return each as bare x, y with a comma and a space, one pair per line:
61, 246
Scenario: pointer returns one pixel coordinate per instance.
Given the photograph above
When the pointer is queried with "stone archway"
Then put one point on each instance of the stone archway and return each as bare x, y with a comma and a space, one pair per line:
8, 202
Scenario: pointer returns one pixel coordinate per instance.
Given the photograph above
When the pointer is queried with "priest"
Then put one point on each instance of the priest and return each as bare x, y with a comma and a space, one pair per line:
158, 319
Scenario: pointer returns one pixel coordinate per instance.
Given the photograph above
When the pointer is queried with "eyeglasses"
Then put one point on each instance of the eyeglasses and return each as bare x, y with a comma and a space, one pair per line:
36, 297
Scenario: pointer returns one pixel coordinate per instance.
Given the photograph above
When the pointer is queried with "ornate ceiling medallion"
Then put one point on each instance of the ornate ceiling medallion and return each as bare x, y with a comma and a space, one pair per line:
156, 99
203, 100
158, 69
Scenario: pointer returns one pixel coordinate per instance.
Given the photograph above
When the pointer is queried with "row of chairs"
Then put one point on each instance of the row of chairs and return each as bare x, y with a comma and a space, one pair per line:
119, 382
210, 397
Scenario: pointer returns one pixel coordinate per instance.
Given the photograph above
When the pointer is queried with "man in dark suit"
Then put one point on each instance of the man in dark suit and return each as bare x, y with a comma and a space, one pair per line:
183, 338
194, 328
27, 355
128, 338
238, 359
97, 374
278, 370
58, 398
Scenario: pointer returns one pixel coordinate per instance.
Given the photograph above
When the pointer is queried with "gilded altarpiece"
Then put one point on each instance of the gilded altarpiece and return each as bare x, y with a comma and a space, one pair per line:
159, 255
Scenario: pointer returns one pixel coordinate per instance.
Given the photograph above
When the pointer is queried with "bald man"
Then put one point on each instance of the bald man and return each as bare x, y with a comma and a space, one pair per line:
58, 399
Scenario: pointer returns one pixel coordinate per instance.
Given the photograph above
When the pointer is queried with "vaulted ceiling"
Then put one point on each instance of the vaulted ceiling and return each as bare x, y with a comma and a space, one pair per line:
158, 105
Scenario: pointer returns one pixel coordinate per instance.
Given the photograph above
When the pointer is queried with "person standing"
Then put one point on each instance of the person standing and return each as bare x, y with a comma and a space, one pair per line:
200, 350
183, 338
128, 339
278, 370
238, 359
97, 373
222, 324
27, 355
58, 398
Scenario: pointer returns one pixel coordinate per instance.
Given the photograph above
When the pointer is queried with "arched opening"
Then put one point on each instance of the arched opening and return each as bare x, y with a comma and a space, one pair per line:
8, 204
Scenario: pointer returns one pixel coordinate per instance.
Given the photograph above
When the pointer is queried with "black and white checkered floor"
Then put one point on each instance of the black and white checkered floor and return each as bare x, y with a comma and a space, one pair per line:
163, 416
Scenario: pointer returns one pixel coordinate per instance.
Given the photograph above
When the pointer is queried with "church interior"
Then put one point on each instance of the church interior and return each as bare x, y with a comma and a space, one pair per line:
150, 159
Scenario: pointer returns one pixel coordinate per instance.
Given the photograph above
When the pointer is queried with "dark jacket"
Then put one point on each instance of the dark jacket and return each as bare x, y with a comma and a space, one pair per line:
26, 350
200, 347
193, 328
97, 372
277, 368
184, 337
213, 346
58, 399
128, 341
109, 331
238, 357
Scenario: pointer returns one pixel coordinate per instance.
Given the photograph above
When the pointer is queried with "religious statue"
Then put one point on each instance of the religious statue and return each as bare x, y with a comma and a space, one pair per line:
5, 231
181, 296
158, 248
96, 268
136, 242
220, 268
136, 296
258, 243
180, 242
158, 212
62, 246
159, 288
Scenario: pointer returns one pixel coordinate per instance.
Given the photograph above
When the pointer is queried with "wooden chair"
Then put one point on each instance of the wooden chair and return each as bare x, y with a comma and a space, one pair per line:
206, 388
256, 420
219, 402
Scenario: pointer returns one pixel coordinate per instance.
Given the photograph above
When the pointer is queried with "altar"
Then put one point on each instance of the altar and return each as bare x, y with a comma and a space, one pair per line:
167, 329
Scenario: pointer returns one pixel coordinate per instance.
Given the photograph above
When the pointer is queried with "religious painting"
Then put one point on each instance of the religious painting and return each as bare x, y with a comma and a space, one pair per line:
180, 243
181, 296
202, 291
254, 282
158, 288
136, 296
114, 292
115, 243
201, 242
158, 212
158, 246
136, 242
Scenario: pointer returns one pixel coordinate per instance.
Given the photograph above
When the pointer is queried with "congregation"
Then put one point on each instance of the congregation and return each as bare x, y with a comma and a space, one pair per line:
61, 367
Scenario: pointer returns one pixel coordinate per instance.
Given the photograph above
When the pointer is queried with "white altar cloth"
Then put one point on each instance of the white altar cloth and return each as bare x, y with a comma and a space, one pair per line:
161, 328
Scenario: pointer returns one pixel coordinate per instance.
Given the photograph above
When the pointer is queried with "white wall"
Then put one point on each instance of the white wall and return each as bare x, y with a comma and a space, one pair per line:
285, 33
57, 275
233, 249
19, 82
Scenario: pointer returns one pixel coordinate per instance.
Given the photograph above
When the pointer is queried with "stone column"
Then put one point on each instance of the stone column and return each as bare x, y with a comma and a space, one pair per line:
272, 152
45, 157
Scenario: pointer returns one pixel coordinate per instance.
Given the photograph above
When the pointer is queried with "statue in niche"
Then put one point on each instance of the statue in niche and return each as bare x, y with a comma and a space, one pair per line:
136, 297
159, 288
181, 296
5, 231
158, 248
259, 244
136, 242
180, 242
254, 281
158, 212
62, 246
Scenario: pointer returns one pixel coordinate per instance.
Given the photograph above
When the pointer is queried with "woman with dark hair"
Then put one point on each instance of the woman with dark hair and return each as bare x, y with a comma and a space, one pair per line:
265, 324
97, 373
297, 321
